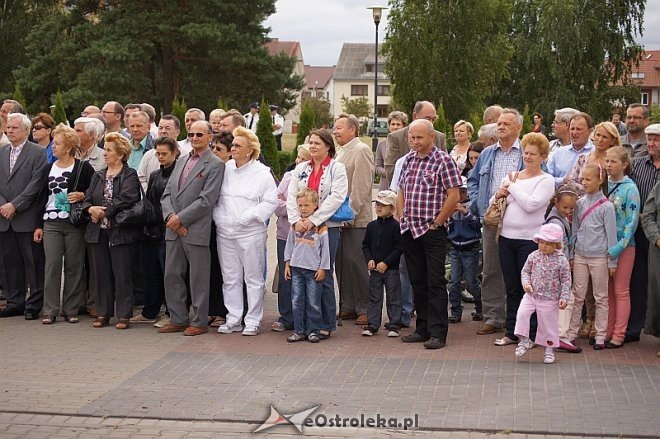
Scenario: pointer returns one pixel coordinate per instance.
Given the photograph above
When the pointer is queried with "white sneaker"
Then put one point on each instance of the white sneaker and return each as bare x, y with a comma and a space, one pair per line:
164, 321
367, 333
549, 356
251, 330
141, 319
393, 333
228, 329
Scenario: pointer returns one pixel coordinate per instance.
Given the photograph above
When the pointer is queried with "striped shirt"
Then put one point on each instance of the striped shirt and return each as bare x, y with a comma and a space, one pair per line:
645, 175
424, 182
503, 163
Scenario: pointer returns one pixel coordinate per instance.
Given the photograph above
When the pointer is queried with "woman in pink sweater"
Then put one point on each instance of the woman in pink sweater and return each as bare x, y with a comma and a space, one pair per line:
527, 193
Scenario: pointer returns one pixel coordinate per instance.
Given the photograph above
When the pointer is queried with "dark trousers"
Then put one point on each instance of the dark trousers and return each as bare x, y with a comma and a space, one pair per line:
425, 257
21, 256
217, 306
639, 284
138, 291
112, 276
513, 255
152, 254
278, 142
391, 281
284, 302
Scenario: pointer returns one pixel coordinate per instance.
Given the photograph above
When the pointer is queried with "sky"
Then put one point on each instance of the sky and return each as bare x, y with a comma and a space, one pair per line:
322, 26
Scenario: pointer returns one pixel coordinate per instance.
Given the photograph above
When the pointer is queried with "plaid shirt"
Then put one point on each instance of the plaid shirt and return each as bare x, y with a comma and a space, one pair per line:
504, 163
14, 152
424, 182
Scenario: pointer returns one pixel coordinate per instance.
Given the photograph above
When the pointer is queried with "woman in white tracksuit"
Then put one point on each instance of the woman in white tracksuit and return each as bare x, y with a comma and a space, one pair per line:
247, 199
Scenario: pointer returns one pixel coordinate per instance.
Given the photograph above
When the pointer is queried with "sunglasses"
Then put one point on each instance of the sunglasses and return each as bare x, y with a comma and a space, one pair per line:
38, 127
198, 135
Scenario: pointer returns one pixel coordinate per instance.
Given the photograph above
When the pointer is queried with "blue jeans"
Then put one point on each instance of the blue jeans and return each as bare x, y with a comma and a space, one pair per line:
407, 304
328, 304
283, 289
464, 265
513, 255
306, 301
392, 283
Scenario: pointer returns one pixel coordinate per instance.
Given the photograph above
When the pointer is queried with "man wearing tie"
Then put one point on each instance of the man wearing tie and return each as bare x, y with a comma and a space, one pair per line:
187, 203
252, 118
278, 125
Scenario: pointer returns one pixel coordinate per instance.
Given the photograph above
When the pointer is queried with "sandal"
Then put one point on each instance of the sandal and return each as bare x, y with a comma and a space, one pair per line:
122, 324
217, 322
48, 320
324, 334
100, 322
71, 318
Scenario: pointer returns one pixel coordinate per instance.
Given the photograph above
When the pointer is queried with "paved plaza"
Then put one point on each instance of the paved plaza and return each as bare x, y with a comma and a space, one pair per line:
70, 380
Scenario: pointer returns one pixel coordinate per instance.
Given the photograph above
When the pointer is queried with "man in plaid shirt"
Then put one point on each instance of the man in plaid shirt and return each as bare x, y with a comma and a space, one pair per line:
428, 194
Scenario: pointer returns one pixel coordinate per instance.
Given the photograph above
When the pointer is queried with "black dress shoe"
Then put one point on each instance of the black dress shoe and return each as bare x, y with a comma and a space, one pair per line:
414, 338
434, 343
11, 312
454, 319
630, 338
31, 315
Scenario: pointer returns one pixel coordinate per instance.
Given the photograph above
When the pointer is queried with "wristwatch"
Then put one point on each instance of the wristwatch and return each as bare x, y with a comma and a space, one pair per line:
434, 226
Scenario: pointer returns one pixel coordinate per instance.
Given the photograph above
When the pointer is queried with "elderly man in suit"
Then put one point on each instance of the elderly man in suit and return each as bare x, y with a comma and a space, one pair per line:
22, 168
351, 270
187, 205
397, 142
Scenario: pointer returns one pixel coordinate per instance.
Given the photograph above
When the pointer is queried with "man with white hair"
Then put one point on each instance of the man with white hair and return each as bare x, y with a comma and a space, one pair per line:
560, 128
192, 115
91, 131
491, 114
487, 134
22, 167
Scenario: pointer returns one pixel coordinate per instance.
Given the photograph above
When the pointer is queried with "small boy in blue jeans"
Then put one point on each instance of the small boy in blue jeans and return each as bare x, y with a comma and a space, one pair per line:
382, 247
464, 233
307, 257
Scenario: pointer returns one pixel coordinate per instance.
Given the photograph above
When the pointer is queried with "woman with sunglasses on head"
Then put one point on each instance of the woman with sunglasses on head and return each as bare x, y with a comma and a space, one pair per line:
221, 147
42, 134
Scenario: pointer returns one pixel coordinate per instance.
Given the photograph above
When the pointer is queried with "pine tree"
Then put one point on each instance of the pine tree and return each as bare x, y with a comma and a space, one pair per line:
442, 125
527, 120
18, 96
60, 113
307, 123
179, 109
266, 138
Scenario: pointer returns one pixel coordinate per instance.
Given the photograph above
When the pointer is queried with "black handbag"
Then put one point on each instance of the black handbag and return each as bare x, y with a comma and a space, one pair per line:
141, 214
76, 215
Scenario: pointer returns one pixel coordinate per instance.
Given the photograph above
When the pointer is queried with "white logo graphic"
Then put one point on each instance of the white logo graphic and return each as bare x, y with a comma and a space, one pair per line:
295, 419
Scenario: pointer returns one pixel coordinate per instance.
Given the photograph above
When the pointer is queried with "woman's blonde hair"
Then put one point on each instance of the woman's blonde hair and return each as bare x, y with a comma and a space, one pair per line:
120, 145
69, 136
611, 129
467, 124
253, 140
537, 139
303, 150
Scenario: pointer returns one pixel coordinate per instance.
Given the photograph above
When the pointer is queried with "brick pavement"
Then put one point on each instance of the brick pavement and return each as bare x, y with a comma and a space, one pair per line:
74, 381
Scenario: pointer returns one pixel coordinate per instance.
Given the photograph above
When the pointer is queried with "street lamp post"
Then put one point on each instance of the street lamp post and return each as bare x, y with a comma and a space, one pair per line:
377, 14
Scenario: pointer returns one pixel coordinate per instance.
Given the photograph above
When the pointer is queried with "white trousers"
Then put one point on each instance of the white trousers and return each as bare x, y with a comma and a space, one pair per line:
242, 260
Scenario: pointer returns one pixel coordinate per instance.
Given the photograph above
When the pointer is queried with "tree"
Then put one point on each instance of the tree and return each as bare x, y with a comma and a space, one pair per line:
321, 108
59, 114
442, 125
179, 109
152, 51
573, 53
18, 97
452, 51
267, 139
307, 124
527, 120
359, 107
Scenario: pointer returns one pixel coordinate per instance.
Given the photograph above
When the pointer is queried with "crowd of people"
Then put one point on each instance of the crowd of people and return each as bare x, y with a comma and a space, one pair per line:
553, 240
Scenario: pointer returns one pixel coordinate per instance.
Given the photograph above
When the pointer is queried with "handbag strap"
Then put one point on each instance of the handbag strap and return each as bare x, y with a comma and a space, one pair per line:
592, 208
75, 184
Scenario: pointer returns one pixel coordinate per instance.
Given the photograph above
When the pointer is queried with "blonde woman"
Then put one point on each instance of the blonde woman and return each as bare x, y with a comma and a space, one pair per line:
67, 180
248, 198
463, 132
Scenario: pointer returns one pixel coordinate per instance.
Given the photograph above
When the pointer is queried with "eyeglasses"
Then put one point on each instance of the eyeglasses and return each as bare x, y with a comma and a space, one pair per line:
198, 135
38, 127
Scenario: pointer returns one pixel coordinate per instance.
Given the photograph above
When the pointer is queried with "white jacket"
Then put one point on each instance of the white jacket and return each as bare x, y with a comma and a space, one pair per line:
332, 192
247, 199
